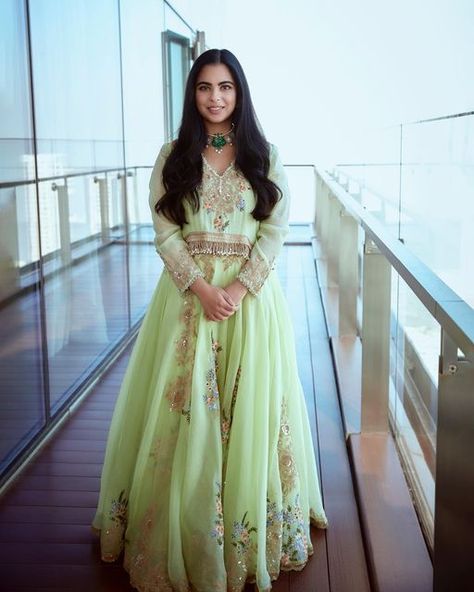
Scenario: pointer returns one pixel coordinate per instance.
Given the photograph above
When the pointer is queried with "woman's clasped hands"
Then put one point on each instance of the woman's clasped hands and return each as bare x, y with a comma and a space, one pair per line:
218, 303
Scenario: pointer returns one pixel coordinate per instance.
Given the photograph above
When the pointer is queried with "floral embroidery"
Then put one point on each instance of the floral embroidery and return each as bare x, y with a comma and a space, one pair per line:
286, 460
118, 509
178, 391
274, 516
221, 222
295, 542
226, 421
241, 538
180, 265
176, 395
216, 348
223, 194
112, 538
161, 453
274, 536
146, 571
207, 263
218, 530
225, 428
211, 397
254, 272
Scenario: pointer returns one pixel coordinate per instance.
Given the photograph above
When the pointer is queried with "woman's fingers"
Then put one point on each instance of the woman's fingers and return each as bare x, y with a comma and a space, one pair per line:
220, 307
228, 298
219, 315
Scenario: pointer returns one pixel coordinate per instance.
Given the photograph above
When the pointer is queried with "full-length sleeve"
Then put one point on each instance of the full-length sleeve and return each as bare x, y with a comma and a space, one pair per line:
271, 233
169, 242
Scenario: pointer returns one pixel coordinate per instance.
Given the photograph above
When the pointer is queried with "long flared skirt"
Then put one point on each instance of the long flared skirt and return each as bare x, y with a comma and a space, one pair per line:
209, 479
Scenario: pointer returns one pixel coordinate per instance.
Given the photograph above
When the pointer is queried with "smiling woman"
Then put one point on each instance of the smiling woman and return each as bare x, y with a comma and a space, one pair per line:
215, 100
210, 480
216, 96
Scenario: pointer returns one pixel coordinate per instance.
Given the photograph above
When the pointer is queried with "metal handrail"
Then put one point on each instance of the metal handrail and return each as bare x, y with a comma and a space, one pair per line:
449, 309
10, 184
367, 280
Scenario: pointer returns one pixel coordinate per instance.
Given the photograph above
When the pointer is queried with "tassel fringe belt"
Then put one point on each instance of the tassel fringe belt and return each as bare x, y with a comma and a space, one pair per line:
218, 244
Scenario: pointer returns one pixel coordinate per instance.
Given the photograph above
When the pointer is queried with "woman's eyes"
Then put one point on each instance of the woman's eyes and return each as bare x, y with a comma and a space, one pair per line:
223, 87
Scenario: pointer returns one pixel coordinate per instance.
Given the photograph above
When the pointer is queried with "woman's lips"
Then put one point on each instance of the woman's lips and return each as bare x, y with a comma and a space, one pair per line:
215, 109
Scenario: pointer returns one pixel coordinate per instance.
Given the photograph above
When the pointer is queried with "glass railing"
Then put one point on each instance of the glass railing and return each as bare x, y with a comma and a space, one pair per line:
416, 215
63, 313
418, 179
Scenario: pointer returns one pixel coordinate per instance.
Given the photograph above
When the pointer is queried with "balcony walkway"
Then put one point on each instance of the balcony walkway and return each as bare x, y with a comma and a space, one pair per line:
46, 543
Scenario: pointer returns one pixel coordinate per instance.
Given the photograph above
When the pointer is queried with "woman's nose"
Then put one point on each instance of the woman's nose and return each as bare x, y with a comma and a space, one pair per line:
216, 95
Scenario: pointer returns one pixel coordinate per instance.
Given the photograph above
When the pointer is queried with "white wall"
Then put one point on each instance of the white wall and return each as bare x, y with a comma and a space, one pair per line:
322, 72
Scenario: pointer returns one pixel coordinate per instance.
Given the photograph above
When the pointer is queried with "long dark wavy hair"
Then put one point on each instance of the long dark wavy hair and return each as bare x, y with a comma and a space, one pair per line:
182, 171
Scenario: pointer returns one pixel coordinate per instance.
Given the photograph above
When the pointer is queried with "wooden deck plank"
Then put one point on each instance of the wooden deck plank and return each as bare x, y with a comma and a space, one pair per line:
346, 557
347, 353
396, 551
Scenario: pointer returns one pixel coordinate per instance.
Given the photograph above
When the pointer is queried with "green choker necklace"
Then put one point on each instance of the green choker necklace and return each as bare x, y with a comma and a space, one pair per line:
218, 141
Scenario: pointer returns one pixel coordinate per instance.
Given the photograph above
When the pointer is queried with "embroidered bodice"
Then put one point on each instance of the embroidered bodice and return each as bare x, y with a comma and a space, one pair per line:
223, 225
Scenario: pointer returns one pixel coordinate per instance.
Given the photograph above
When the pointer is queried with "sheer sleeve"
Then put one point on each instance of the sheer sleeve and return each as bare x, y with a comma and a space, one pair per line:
271, 233
169, 242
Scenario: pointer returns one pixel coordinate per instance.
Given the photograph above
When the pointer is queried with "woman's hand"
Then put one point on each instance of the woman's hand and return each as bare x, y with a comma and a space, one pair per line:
237, 291
216, 302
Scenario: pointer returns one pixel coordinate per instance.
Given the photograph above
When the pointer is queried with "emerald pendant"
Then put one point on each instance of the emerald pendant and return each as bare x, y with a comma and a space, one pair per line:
218, 141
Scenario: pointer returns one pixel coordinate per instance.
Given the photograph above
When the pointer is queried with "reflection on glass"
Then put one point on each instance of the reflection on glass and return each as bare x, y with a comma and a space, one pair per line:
428, 200
79, 131
81, 222
415, 339
144, 263
437, 199
22, 412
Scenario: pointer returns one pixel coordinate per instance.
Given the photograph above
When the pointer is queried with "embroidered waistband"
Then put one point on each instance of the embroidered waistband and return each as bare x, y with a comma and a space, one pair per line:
212, 243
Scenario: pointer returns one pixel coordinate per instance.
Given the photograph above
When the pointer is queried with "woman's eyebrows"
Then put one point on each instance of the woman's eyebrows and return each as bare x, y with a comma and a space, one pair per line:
210, 84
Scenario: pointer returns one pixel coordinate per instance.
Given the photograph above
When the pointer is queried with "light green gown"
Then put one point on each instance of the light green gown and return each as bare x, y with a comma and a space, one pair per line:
209, 477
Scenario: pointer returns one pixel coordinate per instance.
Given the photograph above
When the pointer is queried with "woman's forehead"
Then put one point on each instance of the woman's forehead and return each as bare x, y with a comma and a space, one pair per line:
215, 73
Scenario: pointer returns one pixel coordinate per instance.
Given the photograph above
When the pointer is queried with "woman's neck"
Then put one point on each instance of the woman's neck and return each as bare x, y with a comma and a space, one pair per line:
218, 128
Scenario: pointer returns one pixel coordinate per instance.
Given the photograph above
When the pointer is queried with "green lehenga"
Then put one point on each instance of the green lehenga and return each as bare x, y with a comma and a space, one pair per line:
209, 479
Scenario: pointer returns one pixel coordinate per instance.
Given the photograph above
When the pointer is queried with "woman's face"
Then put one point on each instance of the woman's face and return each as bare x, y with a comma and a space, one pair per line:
216, 96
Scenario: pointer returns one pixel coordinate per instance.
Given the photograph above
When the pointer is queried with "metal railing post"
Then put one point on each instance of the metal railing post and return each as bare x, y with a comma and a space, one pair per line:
104, 208
318, 209
324, 215
348, 262
333, 241
454, 511
122, 183
64, 227
375, 339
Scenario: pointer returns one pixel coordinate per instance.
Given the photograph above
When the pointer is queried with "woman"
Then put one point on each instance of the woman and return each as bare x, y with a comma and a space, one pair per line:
209, 478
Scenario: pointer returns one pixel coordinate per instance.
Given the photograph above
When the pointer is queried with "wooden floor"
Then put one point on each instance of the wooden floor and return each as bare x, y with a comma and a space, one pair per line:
46, 543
